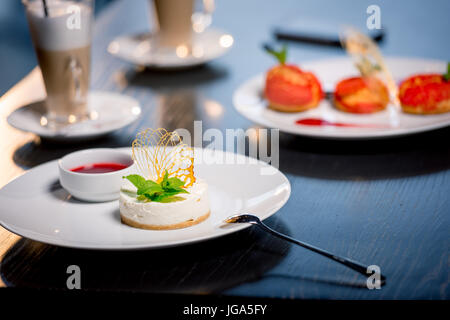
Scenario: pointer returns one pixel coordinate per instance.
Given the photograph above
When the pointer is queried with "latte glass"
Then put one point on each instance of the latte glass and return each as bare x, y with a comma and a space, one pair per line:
61, 31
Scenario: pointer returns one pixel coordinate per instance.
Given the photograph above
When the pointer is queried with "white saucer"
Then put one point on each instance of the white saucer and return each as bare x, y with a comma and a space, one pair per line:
391, 122
138, 49
111, 111
35, 206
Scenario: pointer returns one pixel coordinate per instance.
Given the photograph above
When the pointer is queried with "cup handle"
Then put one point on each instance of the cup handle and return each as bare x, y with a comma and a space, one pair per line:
202, 19
76, 71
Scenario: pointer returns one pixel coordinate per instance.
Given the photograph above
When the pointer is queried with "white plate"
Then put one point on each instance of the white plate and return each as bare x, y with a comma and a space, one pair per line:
391, 122
36, 207
113, 111
139, 49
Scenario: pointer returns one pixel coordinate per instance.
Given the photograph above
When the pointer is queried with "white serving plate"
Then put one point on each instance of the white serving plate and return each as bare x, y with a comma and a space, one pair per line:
35, 206
391, 122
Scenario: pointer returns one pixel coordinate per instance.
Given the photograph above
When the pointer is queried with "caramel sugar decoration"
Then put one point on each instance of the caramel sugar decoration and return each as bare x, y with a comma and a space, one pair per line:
156, 150
365, 52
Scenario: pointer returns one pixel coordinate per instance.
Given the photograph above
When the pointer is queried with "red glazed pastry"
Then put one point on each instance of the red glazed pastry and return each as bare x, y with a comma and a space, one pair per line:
361, 95
289, 89
425, 94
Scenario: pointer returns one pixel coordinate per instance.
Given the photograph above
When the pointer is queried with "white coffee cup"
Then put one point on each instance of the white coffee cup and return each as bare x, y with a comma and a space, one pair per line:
176, 21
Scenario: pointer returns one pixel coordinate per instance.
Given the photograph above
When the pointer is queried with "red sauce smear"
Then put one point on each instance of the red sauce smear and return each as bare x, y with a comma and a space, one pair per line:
103, 167
321, 122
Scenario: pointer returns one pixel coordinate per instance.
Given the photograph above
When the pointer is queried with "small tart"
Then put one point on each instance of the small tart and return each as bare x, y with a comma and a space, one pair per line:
425, 94
361, 95
163, 216
289, 89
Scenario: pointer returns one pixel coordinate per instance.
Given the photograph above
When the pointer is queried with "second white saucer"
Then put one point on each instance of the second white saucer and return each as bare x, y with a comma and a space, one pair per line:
109, 112
140, 49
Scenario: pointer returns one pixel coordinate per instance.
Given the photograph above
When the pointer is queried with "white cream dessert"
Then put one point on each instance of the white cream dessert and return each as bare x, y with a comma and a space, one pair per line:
164, 194
157, 215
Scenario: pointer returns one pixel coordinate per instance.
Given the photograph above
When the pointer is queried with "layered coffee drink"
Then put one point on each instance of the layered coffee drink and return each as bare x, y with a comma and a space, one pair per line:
174, 20
61, 34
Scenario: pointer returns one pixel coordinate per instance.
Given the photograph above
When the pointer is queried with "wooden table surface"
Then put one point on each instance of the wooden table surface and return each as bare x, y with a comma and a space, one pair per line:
383, 202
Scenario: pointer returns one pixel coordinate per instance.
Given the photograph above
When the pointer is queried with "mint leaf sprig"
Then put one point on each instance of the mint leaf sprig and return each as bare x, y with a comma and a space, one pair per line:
446, 76
165, 191
281, 55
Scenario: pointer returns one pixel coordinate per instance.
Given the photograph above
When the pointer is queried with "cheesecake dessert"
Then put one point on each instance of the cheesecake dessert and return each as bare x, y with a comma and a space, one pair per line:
164, 193
189, 209
289, 88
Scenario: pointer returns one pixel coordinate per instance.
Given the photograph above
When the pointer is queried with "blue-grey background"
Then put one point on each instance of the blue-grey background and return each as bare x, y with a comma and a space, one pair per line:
413, 27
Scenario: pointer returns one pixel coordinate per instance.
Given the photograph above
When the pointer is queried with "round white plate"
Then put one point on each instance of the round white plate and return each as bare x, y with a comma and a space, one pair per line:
35, 206
111, 111
249, 102
139, 49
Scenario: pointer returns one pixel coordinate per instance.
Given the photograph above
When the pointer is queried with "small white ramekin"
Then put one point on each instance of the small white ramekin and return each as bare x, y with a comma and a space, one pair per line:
93, 187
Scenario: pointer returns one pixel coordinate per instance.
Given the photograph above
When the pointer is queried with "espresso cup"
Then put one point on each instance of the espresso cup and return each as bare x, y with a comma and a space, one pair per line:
176, 21
61, 31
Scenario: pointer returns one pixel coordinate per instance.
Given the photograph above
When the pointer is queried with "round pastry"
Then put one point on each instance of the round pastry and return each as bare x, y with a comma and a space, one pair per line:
289, 89
193, 208
425, 94
361, 95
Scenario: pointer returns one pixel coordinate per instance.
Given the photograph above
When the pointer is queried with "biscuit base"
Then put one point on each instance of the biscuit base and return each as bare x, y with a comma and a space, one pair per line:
283, 108
179, 225
342, 107
441, 107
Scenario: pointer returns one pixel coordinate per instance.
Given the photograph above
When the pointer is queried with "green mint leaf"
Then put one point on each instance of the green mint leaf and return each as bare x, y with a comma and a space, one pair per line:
151, 189
162, 196
281, 55
136, 180
143, 198
171, 199
148, 190
148, 184
143, 186
177, 190
446, 76
175, 183
164, 183
166, 194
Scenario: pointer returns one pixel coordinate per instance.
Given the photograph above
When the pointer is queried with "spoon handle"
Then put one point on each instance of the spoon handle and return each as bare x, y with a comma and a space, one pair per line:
362, 269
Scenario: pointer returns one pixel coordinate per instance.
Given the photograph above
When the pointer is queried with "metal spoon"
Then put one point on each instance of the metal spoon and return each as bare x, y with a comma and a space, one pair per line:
249, 218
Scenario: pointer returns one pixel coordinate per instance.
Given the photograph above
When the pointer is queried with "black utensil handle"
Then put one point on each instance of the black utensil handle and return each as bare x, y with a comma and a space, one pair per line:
362, 269
305, 38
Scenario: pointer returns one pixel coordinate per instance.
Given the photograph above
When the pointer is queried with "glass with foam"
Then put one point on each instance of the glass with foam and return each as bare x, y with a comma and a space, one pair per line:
61, 31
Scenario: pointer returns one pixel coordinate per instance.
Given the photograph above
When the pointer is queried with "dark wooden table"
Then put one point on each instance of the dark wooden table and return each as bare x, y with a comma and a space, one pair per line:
383, 202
